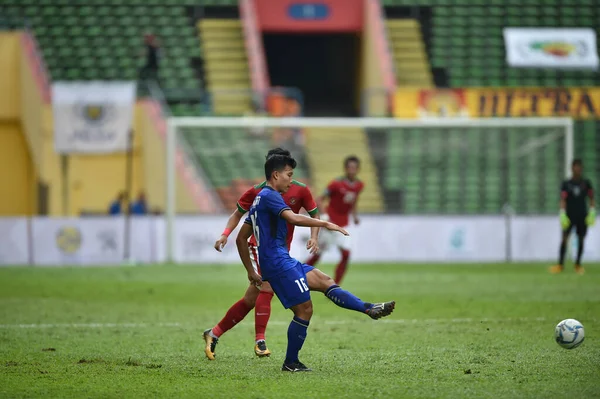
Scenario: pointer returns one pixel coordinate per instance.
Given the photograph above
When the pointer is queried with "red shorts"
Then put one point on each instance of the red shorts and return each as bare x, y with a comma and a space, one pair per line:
254, 257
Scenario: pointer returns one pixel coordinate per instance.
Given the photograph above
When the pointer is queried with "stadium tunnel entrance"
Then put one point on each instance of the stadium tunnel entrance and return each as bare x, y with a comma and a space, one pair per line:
325, 67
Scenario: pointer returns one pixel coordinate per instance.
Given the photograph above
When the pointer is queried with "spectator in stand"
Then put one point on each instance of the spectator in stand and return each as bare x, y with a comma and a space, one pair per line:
152, 53
139, 206
115, 207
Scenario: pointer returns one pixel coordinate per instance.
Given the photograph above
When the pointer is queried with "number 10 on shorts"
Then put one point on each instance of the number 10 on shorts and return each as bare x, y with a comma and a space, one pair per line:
301, 285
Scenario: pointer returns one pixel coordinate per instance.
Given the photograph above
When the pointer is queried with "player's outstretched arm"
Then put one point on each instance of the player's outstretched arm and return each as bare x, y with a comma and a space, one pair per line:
301, 220
242, 246
232, 223
313, 242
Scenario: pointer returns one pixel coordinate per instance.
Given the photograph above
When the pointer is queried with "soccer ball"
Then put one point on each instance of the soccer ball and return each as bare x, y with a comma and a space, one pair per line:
569, 334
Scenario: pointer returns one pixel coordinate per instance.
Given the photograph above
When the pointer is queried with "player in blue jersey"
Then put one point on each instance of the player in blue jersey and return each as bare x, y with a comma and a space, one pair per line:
290, 279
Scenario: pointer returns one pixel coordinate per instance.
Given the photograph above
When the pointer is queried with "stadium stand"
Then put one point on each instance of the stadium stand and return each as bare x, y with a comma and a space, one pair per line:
326, 155
462, 171
78, 44
226, 66
461, 40
465, 47
233, 159
410, 58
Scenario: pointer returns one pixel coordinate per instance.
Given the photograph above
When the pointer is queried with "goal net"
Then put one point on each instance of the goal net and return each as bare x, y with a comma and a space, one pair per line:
441, 166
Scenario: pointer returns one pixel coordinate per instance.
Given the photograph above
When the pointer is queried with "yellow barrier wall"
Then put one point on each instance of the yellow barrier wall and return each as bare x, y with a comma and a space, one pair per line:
17, 183
17, 177
9, 76
31, 110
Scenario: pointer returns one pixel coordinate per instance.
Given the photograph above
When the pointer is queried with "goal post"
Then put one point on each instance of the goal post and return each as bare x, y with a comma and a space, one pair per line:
526, 135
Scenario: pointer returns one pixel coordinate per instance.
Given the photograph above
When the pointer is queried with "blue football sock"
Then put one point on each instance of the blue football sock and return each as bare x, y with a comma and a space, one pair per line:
296, 336
346, 299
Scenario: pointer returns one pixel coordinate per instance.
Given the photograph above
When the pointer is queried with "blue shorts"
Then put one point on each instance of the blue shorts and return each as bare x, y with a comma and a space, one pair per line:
291, 286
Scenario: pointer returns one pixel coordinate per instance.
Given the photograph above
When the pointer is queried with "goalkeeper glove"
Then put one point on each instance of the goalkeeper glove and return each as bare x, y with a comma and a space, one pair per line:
564, 220
590, 220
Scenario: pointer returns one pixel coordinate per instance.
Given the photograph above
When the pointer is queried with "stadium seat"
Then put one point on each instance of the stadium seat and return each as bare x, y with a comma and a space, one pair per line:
78, 41
465, 39
227, 155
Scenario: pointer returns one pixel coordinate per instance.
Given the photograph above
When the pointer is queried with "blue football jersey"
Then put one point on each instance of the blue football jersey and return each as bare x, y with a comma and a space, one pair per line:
270, 231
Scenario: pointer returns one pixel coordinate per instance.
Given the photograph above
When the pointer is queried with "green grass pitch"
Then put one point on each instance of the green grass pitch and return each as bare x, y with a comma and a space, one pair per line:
458, 331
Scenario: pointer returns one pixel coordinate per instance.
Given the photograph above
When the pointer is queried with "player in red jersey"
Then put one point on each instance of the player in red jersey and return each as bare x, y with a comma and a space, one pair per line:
343, 194
297, 197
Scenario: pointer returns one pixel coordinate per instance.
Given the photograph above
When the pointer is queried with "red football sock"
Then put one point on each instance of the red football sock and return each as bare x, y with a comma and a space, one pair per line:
262, 312
340, 269
234, 315
313, 259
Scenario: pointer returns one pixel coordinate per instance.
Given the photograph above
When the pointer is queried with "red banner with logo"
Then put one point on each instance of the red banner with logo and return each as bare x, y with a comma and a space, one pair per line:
320, 16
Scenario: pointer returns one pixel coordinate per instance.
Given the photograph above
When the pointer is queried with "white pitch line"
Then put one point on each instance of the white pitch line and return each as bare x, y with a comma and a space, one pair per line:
428, 321
465, 320
89, 325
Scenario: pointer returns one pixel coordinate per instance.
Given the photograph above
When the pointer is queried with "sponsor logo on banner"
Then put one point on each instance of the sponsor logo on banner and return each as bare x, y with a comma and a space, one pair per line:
551, 47
457, 239
442, 103
107, 240
430, 103
68, 239
308, 11
92, 117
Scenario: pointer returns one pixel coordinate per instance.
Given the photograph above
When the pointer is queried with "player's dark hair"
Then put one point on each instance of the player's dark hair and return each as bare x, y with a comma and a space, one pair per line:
577, 162
277, 151
278, 163
351, 158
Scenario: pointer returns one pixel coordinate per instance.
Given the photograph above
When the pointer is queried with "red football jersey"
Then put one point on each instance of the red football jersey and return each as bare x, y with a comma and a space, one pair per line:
297, 197
343, 194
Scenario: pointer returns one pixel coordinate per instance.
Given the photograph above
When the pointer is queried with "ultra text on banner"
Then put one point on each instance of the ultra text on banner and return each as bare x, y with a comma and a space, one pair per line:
578, 103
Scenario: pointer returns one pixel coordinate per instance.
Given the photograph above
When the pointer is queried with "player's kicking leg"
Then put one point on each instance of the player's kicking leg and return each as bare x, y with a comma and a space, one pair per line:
319, 281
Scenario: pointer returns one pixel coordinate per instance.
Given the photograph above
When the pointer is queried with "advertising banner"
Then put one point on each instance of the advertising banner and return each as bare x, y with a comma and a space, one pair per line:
551, 48
578, 103
92, 117
440, 239
537, 238
430, 103
14, 244
77, 241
